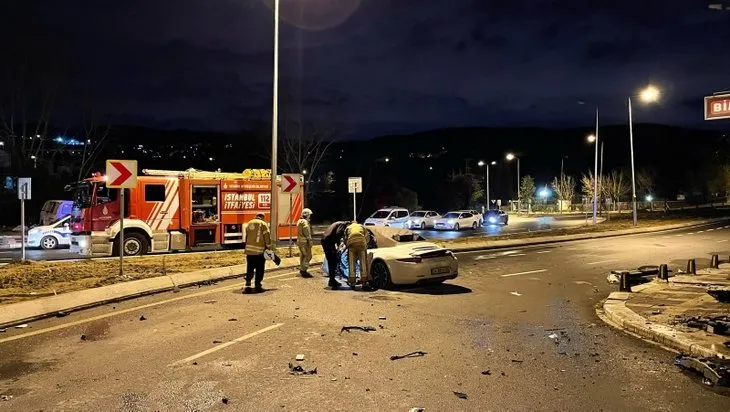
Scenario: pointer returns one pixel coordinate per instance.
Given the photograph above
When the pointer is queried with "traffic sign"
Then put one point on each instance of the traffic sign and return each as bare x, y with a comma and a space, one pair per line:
354, 184
290, 183
717, 107
24, 188
121, 174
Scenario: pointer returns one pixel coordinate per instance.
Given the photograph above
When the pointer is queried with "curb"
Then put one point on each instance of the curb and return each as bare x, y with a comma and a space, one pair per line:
621, 317
32, 310
503, 244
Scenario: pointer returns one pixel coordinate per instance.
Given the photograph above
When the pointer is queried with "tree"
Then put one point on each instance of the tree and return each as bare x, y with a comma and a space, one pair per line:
527, 190
644, 183
615, 186
719, 184
461, 191
565, 190
564, 187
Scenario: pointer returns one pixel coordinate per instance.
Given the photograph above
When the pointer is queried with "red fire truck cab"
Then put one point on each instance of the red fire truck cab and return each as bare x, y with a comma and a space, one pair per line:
176, 210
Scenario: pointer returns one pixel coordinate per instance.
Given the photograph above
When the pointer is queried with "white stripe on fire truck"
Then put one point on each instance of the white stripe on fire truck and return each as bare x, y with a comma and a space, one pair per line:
174, 206
170, 197
158, 205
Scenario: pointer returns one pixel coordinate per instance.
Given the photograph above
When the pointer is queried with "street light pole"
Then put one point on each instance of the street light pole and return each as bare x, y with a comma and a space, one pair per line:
633, 176
595, 176
275, 131
488, 204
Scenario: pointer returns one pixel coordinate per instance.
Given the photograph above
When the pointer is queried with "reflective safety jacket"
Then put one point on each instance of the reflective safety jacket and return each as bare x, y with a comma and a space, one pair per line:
356, 236
258, 237
304, 231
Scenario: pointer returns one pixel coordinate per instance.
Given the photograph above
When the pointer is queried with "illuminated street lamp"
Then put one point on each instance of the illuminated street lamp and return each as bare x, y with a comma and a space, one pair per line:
648, 95
510, 157
304, 172
275, 129
387, 159
35, 162
591, 138
482, 163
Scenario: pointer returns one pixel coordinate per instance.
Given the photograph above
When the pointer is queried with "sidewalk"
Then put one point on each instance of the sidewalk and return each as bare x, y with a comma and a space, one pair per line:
11, 242
675, 313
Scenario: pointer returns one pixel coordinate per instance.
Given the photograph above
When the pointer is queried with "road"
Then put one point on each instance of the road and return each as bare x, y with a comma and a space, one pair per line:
485, 334
517, 224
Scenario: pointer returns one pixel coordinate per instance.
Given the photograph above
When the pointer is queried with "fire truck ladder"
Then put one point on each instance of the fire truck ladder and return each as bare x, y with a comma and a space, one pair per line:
195, 174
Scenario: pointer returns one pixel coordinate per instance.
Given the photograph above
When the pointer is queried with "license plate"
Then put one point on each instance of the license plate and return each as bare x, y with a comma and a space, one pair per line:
440, 271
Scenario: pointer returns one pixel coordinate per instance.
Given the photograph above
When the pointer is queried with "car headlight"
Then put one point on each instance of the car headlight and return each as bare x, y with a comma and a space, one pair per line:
492, 219
451, 221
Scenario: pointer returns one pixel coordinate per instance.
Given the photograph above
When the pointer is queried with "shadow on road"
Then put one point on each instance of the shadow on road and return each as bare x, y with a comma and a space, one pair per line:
439, 289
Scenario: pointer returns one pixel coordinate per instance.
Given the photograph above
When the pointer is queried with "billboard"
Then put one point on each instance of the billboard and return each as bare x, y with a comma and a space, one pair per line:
717, 107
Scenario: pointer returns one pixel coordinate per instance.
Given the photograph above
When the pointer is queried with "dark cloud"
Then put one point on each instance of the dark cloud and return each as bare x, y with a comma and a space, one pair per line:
374, 62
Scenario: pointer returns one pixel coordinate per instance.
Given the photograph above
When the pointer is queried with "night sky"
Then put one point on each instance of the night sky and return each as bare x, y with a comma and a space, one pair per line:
378, 66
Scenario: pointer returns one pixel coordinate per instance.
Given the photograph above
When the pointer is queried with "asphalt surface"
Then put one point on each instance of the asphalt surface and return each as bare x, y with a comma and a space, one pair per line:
517, 224
486, 334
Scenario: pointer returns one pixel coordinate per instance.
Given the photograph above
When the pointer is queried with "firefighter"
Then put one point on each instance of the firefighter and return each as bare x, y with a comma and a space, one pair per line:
258, 240
331, 239
304, 241
356, 240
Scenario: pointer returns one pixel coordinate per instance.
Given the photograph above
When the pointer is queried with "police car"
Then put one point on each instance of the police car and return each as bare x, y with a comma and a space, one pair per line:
58, 233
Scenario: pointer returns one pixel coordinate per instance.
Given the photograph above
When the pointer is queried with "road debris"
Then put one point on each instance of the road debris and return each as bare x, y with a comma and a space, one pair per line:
141, 318
486, 372
299, 370
6, 397
517, 361
210, 302
715, 372
23, 326
83, 337
362, 328
415, 354
61, 314
515, 293
300, 358
613, 278
225, 401
719, 325
460, 395
233, 320
382, 318
417, 410
217, 341
722, 295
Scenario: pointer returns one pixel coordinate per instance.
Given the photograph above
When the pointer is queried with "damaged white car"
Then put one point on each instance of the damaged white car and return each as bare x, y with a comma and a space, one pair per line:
402, 257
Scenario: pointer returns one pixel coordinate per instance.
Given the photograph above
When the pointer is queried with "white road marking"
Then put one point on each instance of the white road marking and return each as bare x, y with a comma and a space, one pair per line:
679, 235
691, 233
517, 254
523, 273
136, 308
226, 344
515, 293
601, 261
544, 251
722, 241
701, 231
710, 230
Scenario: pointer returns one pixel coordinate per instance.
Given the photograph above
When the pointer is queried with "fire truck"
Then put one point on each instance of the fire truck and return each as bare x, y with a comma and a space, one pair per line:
172, 210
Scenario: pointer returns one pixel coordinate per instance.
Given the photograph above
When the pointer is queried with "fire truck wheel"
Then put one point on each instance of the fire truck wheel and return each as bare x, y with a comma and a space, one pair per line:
135, 244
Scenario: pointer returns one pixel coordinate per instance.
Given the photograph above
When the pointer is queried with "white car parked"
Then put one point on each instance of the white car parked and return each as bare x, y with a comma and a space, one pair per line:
51, 236
402, 257
422, 219
389, 217
457, 221
479, 215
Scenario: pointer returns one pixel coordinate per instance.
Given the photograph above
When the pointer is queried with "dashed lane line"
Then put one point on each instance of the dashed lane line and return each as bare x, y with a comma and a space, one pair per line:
601, 261
226, 344
523, 273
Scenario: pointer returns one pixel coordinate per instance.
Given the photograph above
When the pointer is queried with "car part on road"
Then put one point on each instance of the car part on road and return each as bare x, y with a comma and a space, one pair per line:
416, 354
362, 328
715, 372
719, 325
722, 295
299, 370
460, 395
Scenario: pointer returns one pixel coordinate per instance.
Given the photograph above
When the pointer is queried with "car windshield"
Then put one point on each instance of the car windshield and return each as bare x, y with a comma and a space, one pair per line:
58, 221
380, 214
82, 195
451, 215
418, 214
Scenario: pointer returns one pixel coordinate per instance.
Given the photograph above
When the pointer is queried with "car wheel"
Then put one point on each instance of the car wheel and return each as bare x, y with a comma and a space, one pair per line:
457, 227
48, 243
506, 221
135, 244
423, 225
380, 275
474, 226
